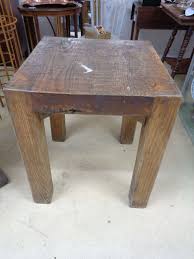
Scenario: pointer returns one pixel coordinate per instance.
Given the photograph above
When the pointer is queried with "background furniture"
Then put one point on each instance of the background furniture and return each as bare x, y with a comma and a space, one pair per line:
177, 15
11, 55
132, 81
62, 21
20, 25
187, 108
62, 17
154, 17
149, 17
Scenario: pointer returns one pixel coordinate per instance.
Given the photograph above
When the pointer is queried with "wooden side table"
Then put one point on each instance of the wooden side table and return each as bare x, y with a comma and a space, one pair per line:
32, 25
149, 17
154, 17
177, 15
62, 17
75, 76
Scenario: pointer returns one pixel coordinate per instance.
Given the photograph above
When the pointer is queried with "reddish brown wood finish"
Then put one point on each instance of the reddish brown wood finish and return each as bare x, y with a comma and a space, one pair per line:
178, 16
151, 17
75, 76
163, 17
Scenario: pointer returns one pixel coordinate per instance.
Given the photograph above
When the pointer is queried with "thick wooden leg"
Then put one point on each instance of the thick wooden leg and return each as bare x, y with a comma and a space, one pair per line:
169, 44
154, 137
58, 130
183, 48
127, 130
31, 137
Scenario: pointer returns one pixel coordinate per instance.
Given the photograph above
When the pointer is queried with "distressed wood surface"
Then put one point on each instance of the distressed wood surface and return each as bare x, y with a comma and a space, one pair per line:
81, 66
31, 138
93, 77
86, 104
153, 140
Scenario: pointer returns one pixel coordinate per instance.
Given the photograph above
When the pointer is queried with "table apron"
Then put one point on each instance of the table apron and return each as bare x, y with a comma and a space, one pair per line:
85, 104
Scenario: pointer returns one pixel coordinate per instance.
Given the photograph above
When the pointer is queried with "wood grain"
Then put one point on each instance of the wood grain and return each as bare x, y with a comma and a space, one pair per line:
81, 67
75, 76
58, 129
31, 138
128, 129
153, 140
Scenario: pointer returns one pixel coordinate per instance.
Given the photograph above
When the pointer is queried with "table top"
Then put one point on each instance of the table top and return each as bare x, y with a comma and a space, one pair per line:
94, 67
177, 14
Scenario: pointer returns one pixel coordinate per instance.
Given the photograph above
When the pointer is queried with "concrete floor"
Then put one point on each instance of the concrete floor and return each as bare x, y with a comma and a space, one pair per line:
89, 216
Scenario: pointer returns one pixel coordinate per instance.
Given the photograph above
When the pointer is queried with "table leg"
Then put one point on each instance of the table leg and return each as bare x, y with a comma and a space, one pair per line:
75, 25
127, 130
81, 24
132, 30
58, 130
153, 140
37, 28
169, 44
30, 32
68, 26
31, 137
183, 48
136, 32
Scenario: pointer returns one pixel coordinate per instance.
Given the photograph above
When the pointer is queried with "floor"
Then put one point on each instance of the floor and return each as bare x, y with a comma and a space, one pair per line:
89, 216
